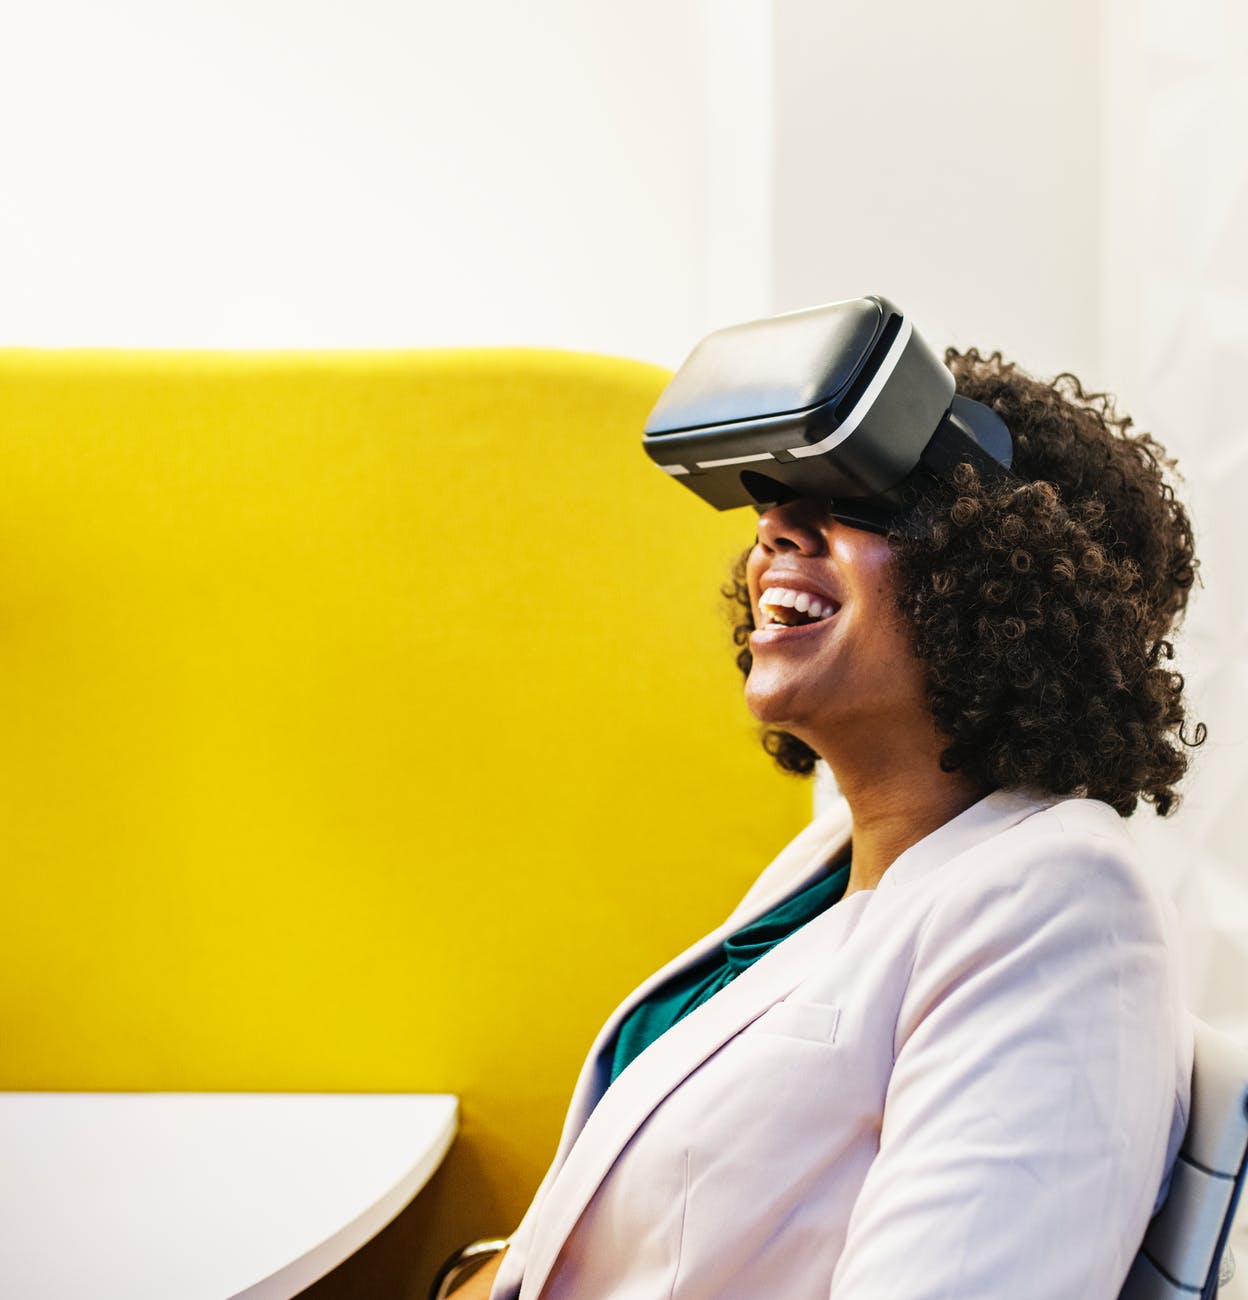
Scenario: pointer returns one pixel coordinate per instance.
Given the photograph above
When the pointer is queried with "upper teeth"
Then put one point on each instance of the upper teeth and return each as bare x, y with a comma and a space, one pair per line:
802, 601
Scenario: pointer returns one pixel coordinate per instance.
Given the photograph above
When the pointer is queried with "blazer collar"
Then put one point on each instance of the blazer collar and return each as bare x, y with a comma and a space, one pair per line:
994, 813
832, 830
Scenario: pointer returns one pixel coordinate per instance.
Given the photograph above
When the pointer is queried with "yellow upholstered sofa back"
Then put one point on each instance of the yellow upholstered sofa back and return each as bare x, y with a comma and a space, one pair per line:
367, 722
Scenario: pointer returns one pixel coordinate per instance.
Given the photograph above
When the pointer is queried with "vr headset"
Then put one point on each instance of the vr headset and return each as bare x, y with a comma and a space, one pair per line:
844, 403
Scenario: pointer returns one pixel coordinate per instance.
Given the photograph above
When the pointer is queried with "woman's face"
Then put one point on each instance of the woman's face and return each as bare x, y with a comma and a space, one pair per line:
830, 648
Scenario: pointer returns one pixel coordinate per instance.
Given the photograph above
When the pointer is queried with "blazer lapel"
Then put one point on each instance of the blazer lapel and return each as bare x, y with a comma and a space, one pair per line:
670, 1059
796, 864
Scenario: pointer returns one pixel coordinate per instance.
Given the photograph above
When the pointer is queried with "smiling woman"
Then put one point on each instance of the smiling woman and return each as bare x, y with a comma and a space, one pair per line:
939, 1048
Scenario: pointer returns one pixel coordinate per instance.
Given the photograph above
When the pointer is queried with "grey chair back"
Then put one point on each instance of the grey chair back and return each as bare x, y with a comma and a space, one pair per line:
1185, 1250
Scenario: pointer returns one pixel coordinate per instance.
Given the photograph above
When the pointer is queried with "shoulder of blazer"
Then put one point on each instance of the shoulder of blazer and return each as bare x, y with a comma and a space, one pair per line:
1013, 813
1070, 859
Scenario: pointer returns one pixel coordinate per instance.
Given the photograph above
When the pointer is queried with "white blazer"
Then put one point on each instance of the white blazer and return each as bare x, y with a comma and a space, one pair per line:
968, 1083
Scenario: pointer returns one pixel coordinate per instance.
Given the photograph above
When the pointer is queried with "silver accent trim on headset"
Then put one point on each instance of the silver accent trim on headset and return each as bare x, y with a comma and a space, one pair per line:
674, 470
866, 401
734, 460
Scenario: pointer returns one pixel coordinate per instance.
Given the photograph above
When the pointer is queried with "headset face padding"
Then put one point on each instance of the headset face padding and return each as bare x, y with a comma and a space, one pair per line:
845, 403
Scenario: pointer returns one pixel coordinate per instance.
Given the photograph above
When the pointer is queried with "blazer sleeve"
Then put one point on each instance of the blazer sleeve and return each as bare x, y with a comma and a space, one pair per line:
1026, 1122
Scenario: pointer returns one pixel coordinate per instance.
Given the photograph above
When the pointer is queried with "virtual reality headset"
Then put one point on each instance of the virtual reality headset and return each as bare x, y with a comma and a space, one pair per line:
844, 403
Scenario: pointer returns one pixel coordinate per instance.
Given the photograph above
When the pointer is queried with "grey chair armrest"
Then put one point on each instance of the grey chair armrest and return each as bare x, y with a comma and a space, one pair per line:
463, 1264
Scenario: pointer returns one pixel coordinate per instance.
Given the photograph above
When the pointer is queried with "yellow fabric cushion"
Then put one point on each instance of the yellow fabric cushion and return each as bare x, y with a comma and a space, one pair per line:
369, 722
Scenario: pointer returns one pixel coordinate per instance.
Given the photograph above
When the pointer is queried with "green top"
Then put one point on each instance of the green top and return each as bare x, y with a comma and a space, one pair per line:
675, 999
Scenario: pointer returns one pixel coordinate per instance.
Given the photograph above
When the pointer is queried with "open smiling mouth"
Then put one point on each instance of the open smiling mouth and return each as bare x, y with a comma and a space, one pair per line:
785, 607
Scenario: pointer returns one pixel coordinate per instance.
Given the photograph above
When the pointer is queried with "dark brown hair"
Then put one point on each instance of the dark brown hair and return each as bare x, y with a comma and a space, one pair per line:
1042, 608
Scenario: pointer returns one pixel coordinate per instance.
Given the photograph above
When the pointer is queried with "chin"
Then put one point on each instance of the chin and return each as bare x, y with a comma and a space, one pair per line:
769, 707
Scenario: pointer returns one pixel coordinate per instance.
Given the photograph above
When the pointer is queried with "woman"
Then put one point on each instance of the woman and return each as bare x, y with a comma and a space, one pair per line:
939, 1049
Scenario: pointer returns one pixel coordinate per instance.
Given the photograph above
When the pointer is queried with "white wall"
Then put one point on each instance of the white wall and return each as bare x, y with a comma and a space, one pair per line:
1176, 304
279, 173
269, 173
945, 155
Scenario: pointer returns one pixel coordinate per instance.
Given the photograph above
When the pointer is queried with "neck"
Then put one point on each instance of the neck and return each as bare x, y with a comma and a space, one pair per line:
897, 795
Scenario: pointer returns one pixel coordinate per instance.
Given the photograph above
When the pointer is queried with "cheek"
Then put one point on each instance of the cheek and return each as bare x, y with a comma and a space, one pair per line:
754, 567
895, 647
884, 631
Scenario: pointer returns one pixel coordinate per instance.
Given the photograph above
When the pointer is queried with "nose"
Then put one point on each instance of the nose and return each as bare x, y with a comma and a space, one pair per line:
792, 527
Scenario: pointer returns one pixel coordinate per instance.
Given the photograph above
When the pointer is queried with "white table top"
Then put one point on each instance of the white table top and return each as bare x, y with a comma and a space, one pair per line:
203, 1196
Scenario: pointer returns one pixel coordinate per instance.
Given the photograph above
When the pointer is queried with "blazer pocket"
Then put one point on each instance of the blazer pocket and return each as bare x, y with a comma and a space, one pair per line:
814, 1021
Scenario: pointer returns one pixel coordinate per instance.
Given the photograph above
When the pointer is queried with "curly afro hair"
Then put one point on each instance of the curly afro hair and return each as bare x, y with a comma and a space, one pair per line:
1041, 609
